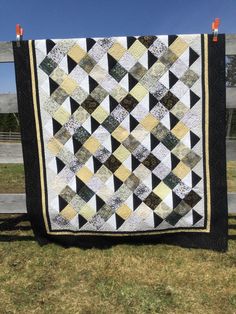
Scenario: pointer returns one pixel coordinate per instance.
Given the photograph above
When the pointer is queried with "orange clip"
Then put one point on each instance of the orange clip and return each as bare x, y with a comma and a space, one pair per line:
215, 25
19, 32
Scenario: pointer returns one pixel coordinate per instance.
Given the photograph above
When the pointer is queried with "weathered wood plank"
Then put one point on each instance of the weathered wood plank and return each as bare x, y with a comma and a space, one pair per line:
8, 103
16, 203
12, 203
230, 44
6, 53
11, 153
231, 97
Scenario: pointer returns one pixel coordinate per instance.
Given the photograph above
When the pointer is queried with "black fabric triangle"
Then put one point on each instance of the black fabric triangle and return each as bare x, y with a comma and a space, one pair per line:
152, 101
157, 220
151, 59
73, 105
171, 39
193, 56
92, 84
133, 123
82, 221
56, 126
174, 161
117, 183
114, 143
97, 164
154, 141
119, 221
99, 202
60, 164
135, 163
193, 98
79, 184
52, 85
111, 61
113, 103
137, 201
71, 64
176, 199
130, 41
76, 144
196, 217
155, 181
94, 124
49, 45
195, 179
62, 203
90, 42
172, 79
173, 120
194, 139
132, 81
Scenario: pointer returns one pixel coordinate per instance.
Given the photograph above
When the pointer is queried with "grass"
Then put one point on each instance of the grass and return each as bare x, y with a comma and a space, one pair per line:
120, 279
231, 171
12, 178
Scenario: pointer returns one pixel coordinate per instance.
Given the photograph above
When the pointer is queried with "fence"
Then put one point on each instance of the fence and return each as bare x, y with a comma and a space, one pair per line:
15, 203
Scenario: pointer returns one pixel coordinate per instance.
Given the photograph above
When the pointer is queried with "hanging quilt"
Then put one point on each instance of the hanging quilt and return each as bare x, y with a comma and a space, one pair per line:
124, 139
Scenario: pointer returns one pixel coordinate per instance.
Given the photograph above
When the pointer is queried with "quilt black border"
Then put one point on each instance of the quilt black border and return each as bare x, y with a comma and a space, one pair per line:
216, 239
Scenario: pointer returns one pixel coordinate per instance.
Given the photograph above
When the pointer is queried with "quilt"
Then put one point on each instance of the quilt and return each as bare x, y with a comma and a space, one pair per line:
124, 138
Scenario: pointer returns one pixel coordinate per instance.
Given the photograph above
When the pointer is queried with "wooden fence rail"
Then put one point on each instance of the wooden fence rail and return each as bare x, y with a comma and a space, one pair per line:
15, 203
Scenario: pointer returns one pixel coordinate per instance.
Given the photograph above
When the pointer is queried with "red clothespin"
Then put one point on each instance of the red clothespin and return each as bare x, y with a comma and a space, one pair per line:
19, 34
215, 29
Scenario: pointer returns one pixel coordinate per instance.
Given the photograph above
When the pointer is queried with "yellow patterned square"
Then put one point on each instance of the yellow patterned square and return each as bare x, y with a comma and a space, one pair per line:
178, 46
181, 170
138, 92
120, 134
87, 211
61, 116
163, 210
122, 173
84, 174
100, 114
92, 144
162, 190
149, 122
68, 212
124, 211
58, 75
117, 51
121, 153
77, 53
69, 85
180, 130
137, 49
54, 146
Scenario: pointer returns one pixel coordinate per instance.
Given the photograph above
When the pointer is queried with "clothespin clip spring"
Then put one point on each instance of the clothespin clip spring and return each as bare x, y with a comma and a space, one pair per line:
19, 34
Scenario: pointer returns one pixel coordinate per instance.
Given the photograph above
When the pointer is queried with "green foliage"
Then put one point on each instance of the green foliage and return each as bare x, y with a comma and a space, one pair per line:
9, 122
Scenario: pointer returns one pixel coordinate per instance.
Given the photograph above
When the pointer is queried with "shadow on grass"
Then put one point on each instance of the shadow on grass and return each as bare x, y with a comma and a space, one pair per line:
14, 227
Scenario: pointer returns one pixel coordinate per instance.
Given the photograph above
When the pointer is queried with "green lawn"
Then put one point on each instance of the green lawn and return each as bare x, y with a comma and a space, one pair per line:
120, 279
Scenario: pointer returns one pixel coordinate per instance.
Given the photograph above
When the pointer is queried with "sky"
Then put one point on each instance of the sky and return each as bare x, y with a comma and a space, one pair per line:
57, 19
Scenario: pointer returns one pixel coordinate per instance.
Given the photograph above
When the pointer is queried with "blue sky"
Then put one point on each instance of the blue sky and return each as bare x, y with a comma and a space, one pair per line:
76, 18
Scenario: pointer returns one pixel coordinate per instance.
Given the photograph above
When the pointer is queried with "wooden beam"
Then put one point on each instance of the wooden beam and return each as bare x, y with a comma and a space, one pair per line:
8, 103
230, 44
16, 203
6, 53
